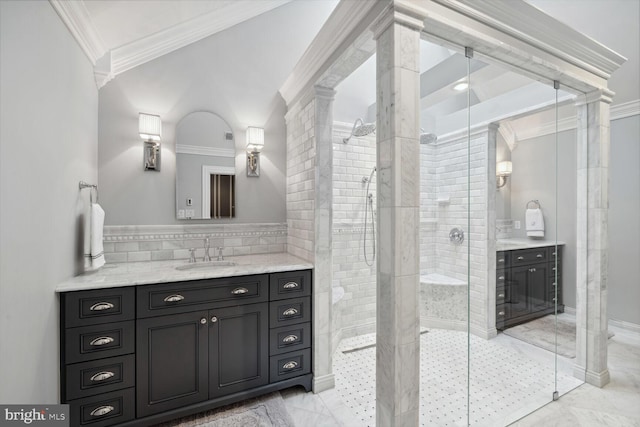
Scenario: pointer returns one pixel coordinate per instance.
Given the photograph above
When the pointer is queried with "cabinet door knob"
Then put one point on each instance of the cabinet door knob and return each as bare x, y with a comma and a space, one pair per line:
291, 285
101, 341
101, 306
290, 312
102, 410
290, 338
203, 321
532, 270
102, 376
214, 319
239, 291
174, 298
520, 258
290, 365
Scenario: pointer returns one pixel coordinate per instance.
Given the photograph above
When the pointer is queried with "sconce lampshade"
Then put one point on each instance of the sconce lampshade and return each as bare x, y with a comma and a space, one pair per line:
150, 127
255, 139
504, 168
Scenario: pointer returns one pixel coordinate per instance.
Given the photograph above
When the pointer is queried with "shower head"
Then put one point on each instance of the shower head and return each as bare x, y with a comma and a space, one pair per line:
362, 129
428, 138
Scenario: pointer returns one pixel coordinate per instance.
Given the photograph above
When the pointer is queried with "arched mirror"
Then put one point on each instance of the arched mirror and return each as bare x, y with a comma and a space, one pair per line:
205, 167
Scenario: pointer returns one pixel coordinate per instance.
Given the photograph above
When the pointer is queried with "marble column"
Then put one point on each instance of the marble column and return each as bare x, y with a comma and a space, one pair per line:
593, 137
323, 219
397, 34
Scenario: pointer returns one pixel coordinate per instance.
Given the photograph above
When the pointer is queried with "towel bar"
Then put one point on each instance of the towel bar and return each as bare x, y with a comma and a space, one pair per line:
83, 184
533, 201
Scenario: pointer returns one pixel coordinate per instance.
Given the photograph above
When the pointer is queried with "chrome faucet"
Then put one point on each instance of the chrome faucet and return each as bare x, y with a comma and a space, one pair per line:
207, 245
220, 256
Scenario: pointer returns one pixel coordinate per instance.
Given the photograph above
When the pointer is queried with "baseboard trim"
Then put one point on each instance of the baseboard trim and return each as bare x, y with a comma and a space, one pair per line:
633, 327
598, 379
325, 382
354, 331
457, 325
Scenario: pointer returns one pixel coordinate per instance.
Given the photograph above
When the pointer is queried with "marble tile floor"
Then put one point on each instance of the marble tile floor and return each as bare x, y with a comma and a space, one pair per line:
522, 399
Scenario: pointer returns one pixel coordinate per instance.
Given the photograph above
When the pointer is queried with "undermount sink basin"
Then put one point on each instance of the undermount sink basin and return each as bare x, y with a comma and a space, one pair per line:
203, 265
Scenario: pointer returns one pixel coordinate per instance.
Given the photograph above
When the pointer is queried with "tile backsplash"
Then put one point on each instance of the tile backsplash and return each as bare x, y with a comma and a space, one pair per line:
167, 242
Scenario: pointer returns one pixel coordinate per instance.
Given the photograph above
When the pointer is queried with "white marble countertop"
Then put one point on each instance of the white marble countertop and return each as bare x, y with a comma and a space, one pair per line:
148, 272
513, 244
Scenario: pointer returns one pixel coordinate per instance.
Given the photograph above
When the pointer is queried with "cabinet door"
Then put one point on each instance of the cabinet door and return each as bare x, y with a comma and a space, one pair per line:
171, 361
238, 348
537, 283
517, 295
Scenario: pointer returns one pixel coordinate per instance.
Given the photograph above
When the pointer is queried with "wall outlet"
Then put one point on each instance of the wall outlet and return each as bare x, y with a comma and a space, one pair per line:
516, 225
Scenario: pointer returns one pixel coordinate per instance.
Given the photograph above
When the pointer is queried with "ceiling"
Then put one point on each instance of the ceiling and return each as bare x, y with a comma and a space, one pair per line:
118, 35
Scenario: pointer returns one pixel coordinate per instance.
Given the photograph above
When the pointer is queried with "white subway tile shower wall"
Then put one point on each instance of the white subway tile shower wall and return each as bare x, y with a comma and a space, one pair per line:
301, 179
154, 243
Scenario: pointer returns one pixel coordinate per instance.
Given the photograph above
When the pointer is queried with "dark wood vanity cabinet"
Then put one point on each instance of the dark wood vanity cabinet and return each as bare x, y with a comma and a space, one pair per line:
181, 348
526, 285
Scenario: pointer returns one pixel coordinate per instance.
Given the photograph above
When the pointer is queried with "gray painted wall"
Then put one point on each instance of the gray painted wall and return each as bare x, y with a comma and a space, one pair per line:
534, 177
48, 142
624, 222
236, 74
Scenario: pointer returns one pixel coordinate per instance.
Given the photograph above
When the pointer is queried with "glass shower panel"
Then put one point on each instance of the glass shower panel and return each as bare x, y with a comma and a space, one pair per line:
444, 235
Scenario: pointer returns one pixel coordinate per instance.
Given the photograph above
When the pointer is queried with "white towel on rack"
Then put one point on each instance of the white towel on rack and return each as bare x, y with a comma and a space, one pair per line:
534, 222
93, 247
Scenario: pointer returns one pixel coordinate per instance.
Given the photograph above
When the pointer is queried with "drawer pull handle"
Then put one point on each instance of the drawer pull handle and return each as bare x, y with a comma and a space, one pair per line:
174, 298
501, 260
239, 291
554, 254
102, 341
291, 285
102, 376
520, 258
501, 313
555, 284
539, 256
290, 312
501, 278
500, 295
554, 269
290, 338
101, 306
102, 410
290, 365
553, 299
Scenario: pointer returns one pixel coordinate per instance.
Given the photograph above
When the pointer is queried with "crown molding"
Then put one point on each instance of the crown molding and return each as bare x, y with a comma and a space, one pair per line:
205, 151
76, 17
149, 48
620, 111
508, 134
341, 29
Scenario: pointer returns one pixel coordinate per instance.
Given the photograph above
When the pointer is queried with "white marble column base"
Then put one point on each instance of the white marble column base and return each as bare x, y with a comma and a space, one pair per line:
325, 382
598, 379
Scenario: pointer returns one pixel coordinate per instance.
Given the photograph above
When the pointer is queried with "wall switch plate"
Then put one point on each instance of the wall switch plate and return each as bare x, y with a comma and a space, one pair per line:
189, 201
516, 225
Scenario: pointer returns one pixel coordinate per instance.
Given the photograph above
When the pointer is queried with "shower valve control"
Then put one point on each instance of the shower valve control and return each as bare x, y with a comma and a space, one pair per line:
456, 236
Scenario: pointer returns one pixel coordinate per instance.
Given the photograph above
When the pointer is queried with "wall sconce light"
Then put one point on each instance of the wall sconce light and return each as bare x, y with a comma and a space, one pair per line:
255, 142
150, 129
503, 170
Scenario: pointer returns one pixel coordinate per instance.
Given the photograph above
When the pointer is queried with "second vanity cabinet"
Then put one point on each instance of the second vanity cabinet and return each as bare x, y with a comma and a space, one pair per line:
186, 346
526, 285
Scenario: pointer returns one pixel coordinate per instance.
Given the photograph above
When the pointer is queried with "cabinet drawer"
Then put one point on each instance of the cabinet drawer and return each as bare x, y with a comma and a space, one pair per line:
528, 256
290, 284
501, 295
502, 259
289, 312
289, 338
103, 410
98, 306
172, 298
501, 277
100, 376
99, 341
289, 365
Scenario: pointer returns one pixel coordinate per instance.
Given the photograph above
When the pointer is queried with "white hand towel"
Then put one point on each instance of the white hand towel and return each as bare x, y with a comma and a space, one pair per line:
534, 223
94, 250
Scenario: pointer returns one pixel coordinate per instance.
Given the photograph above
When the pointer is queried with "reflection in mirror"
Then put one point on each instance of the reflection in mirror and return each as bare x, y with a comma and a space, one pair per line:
205, 167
